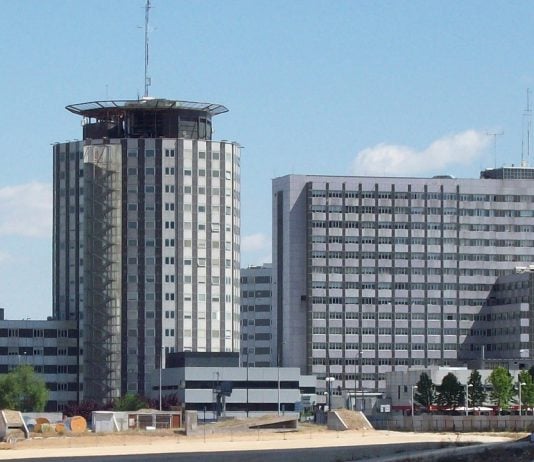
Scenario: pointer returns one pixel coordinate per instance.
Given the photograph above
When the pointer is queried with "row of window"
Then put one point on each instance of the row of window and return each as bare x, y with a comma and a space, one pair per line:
397, 301
383, 346
419, 256
453, 211
255, 279
374, 315
505, 316
24, 352
497, 331
363, 361
399, 240
330, 269
187, 261
37, 333
256, 293
422, 225
398, 286
201, 154
170, 153
256, 308
150, 279
446, 196
388, 331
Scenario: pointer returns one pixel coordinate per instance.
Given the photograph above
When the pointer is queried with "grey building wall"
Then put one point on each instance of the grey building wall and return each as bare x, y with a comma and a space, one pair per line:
258, 320
503, 330
51, 347
379, 274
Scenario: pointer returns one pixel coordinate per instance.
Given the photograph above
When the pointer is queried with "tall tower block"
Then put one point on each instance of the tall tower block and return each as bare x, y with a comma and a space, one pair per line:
146, 238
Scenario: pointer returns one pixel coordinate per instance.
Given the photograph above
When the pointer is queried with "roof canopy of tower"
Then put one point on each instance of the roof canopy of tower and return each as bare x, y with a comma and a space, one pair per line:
103, 109
147, 118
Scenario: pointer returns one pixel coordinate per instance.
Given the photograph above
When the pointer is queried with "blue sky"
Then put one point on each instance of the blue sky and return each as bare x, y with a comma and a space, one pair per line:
316, 86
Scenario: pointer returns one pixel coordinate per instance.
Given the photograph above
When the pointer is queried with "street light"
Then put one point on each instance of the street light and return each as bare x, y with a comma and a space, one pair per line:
160, 367
467, 386
359, 372
520, 402
278, 361
413, 408
329, 381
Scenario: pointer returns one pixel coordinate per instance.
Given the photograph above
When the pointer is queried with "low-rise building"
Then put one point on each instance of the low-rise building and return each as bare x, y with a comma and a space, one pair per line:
51, 348
215, 385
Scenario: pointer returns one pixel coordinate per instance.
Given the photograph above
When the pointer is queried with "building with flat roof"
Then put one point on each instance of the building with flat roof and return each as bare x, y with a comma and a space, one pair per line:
146, 239
215, 384
51, 348
373, 274
258, 323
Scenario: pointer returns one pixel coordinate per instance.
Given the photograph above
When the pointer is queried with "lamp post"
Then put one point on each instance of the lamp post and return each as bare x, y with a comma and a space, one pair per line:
278, 379
160, 367
413, 407
329, 381
467, 386
278, 361
247, 377
360, 353
520, 402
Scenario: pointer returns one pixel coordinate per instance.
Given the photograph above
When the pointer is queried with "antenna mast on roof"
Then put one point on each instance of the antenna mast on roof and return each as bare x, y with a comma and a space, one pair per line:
495, 135
527, 124
147, 78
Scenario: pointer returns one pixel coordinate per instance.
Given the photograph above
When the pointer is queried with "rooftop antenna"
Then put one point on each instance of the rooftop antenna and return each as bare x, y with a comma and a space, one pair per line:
527, 124
495, 135
147, 78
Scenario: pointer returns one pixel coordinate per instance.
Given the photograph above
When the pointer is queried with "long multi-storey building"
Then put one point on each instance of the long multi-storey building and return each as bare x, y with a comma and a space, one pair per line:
378, 274
146, 239
258, 323
51, 348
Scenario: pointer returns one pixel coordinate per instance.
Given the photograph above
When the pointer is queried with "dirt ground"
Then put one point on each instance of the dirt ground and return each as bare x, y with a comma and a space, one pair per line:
226, 438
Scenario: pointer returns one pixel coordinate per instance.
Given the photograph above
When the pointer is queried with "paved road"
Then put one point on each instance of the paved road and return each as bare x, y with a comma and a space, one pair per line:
330, 454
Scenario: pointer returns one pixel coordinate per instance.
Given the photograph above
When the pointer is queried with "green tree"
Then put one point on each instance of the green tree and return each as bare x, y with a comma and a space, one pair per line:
477, 395
426, 393
527, 390
502, 387
451, 392
531, 372
129, 402
23, 390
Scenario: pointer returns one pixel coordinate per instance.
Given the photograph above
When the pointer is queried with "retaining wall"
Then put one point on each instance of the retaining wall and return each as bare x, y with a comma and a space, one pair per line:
448, 423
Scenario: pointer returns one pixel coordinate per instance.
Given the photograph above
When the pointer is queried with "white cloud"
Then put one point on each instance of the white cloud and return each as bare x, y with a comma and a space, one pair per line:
255, 242
388, 159
26, 210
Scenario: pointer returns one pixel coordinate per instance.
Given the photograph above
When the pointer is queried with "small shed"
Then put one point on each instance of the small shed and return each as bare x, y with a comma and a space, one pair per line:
109, 421
151, 419
143, 419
